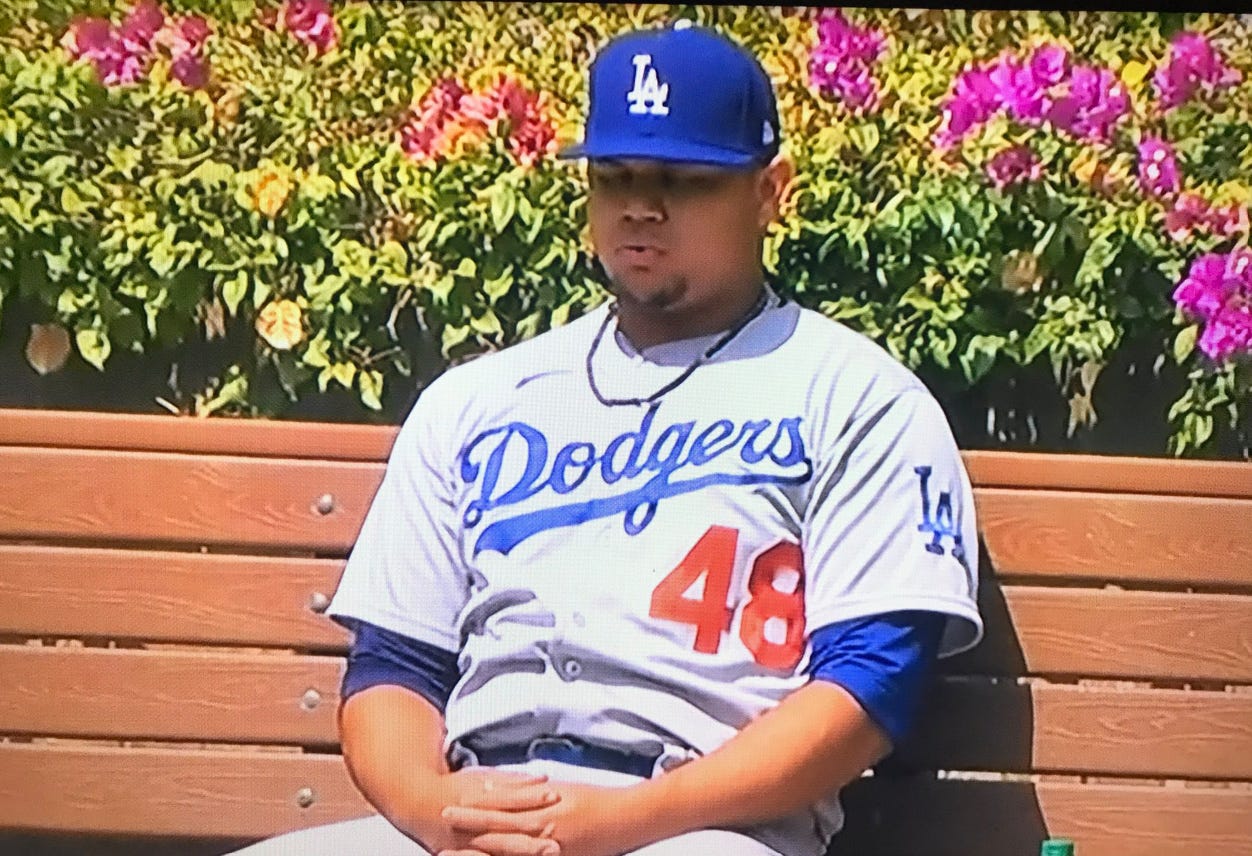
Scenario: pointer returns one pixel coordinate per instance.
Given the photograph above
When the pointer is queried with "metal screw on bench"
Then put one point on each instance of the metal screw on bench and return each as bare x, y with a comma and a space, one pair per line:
325, 504
305, 797
318, 602
311, 699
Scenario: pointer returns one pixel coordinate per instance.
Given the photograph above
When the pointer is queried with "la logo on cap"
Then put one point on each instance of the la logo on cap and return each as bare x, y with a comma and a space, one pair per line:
649, 93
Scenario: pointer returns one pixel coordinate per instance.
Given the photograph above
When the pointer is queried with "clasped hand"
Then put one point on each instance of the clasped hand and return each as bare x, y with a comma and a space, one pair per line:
504, 813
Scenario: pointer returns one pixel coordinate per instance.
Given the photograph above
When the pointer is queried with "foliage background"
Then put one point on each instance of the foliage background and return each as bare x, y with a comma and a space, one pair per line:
155, 223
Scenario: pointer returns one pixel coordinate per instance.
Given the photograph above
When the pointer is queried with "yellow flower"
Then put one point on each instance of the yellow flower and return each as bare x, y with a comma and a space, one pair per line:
280, 324
271, 192
1134, 72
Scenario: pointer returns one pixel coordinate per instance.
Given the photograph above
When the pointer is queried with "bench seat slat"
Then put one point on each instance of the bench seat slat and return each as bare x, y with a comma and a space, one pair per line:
919, 817
169, 498
242, 698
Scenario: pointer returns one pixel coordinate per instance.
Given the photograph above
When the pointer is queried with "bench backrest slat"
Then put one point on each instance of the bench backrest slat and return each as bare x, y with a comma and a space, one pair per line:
168, 596
168, 498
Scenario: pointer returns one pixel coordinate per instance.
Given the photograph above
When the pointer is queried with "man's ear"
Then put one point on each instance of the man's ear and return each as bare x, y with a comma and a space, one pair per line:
775, 184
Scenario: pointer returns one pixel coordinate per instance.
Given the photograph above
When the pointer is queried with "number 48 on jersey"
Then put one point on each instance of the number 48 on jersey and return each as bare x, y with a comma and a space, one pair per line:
713, 558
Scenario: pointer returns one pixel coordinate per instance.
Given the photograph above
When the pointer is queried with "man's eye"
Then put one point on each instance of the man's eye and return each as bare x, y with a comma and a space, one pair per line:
612, 180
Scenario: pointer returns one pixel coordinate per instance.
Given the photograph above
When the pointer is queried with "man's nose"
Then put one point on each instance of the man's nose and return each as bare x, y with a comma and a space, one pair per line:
644, 207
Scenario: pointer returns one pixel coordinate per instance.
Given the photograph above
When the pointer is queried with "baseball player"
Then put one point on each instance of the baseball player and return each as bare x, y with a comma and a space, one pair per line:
663, 580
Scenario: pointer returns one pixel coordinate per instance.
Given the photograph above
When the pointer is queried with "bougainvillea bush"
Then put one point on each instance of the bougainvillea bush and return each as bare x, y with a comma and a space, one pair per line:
356, 195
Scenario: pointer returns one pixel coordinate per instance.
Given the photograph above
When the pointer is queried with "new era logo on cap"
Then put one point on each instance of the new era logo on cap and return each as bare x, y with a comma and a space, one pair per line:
685, 94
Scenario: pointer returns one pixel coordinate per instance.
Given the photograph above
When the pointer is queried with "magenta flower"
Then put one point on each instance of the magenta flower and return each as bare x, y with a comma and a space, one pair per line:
1194, 66
1158, 167
311, 22
841, 64
1229, 220
1217, 292
1084, 101
1189, 211
1049, 64
1014, 165
191, 70
1019, 90
141, 25
97, 41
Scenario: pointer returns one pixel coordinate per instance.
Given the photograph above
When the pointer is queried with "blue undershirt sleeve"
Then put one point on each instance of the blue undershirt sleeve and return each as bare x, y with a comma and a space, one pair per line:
381, 656
884, 661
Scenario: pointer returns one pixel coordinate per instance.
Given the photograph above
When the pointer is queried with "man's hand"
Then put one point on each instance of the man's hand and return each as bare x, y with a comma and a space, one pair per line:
586, 821
520, 797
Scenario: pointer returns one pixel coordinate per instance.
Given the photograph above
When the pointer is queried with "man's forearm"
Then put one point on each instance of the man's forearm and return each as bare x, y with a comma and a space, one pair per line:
814, 742
393, 748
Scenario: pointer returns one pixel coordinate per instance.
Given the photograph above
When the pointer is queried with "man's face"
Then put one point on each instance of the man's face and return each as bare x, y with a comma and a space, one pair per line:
674, 237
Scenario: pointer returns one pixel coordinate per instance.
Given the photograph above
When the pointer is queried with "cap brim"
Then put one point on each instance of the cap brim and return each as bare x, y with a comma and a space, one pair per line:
657, 149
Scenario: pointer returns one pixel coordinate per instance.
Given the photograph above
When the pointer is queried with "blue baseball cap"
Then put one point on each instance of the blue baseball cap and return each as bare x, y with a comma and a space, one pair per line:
684, 93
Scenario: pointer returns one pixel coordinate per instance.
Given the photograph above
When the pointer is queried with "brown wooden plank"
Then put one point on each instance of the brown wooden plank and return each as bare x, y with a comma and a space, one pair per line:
1108, 633
1124, 537
219, 435
169, 695
241, 698
172, 498
228, 794
165, 596
1117, 474
918, 817
246, 600
1155, 733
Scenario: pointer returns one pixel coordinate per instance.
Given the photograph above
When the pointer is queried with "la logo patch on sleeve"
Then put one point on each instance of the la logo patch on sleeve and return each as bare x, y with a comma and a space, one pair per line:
939, 521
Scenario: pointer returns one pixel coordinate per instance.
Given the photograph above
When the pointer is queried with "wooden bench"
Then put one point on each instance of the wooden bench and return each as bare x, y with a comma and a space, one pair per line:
168, 684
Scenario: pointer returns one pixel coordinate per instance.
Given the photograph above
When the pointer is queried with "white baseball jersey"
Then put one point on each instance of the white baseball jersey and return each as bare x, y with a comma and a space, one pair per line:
646, 577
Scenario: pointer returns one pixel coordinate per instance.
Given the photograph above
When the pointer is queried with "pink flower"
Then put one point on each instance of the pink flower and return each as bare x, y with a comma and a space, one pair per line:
191, 70
447, 113
1158, 167
1218, 293
1229, 220
841, 64
142, 23
186, 35
1014, 165
90, 38
1189, 211
1020, 90
1194, 66
311, 22
1049, 64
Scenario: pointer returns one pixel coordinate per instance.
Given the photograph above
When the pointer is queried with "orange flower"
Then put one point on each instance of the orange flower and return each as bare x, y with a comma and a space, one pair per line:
280, 324
271, 192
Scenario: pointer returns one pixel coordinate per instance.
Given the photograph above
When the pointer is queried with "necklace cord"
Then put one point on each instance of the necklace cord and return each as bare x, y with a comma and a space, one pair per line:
711, 352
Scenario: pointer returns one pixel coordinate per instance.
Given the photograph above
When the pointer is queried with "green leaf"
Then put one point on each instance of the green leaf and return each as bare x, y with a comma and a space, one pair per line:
72, 203
503, 207
234, 290
453, 335
498, 287
371, 383
1184, 343
466, 268
94, 346
486, 324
